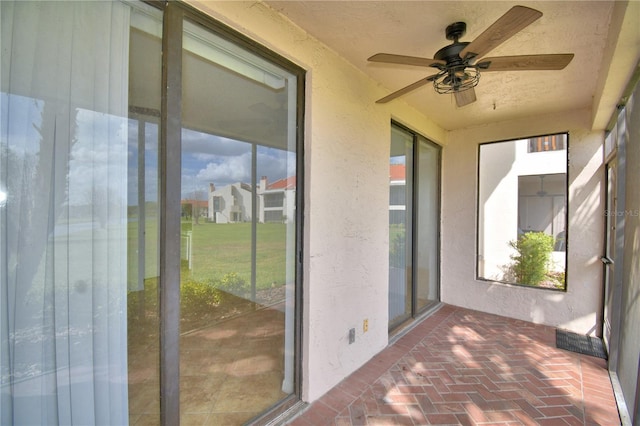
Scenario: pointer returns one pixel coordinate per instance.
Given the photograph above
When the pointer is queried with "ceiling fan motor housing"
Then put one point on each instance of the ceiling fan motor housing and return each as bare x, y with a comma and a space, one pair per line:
457, 75
451, 53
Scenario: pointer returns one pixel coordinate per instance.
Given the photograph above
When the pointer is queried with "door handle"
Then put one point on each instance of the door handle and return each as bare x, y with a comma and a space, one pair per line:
606, 260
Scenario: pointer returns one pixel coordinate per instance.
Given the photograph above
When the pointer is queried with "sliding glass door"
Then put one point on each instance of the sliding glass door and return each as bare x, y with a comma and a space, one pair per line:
149, 225
238, 225
414, 216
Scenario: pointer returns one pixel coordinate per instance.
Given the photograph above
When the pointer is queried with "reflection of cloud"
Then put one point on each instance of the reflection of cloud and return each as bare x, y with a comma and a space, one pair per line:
26, 119
213, 159
98, 158
201, 169
276, 164
230, 169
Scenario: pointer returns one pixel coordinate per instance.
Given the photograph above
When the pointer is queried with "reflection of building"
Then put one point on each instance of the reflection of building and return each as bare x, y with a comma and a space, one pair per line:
230, 204
542, 196
277, 200
194, 208
233, 203
541, 201
397, 194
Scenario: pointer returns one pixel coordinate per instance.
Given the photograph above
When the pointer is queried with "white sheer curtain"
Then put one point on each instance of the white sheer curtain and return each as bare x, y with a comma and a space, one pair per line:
63, 171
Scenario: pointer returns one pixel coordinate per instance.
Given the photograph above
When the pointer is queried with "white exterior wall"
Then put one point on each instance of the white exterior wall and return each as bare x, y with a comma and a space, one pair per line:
575, 309
499, 207
346, 197
290, 205
231, 194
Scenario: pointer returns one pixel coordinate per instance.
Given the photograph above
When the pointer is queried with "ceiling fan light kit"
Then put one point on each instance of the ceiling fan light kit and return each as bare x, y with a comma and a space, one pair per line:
460, 63
457, 80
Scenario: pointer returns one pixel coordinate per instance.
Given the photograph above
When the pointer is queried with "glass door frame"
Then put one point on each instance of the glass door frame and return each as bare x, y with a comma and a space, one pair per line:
414, 225
170, 209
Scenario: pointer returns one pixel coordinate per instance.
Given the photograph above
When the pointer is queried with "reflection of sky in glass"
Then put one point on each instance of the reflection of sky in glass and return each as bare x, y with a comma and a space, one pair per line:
21, 117
213, 159
97, 158
94, 142
206, 158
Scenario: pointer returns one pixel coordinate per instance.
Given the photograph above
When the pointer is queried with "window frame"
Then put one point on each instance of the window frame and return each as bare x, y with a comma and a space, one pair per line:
478, 223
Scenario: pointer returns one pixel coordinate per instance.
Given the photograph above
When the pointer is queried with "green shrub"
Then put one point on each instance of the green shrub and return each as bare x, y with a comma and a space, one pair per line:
233, 283
397, 250
532, 258
197, 296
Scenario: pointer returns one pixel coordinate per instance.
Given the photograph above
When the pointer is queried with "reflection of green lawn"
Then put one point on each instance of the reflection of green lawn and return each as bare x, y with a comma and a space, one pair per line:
220, 249
395, 230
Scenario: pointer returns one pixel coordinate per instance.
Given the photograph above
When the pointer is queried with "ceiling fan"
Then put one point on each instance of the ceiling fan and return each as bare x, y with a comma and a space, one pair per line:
460, 63
542, 192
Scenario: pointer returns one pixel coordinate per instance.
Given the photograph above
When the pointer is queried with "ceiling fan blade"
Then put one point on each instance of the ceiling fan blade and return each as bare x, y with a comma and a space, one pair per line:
390, 58
526, 62
407, 89
465, 97
516, 19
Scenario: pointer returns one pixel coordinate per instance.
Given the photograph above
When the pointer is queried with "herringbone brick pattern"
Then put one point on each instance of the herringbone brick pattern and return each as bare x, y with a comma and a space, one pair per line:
462, 367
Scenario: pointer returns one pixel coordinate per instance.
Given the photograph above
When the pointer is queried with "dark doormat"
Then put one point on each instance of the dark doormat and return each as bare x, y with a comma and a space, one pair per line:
579, 343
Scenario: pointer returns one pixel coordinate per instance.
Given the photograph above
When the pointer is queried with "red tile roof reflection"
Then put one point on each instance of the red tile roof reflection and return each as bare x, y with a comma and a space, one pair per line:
286, 183
397, 172
198, 203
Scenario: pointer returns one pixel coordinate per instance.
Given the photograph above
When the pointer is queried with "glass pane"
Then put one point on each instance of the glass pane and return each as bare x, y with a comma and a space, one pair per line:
428, 211
400, 225
145, 67
522, 211
238, 232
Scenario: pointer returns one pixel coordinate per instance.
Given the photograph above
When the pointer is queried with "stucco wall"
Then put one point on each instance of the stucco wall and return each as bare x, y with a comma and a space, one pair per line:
575, 309
346, 245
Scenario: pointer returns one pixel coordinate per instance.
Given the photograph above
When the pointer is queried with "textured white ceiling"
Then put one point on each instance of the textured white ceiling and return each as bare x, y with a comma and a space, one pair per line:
358, 29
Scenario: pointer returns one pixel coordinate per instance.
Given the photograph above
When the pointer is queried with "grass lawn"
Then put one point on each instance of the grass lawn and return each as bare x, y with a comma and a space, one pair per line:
220, 249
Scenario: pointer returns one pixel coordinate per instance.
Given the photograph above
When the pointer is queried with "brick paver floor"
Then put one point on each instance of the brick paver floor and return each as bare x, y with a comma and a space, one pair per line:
463, 367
